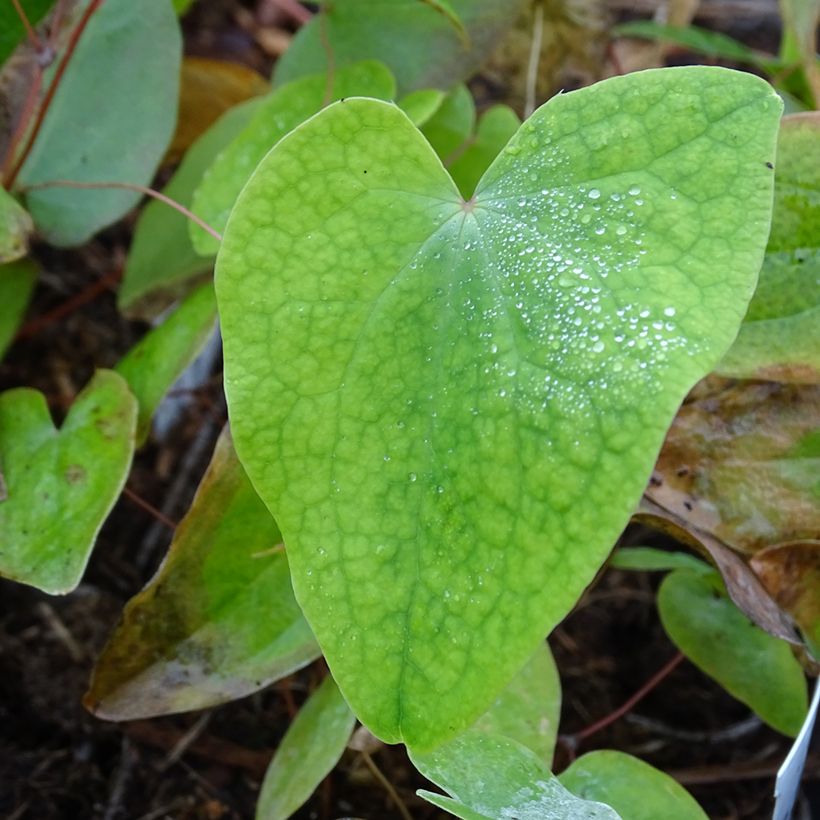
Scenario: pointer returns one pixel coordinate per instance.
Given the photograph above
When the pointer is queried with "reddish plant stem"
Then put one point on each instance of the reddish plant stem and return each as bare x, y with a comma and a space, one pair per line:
149, 508
30, 32
131, 186
628, 705
58, 76
101, 285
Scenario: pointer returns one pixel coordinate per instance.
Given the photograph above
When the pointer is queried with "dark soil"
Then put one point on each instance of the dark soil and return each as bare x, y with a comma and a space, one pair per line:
59, 762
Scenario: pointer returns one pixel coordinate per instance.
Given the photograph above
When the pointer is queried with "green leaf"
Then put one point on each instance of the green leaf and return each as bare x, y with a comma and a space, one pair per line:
310, 749
15, 228
158, 359
751, 665
276, 115
799, 45
529, 709
495, 129
703, 41
162, 260
452, 124
421, 105
128, 57
445, 8
181, 6
636, 790
218, 621
61, 485
17, 280
452, 408
492, 777
12, 31
654, 560
419, 43
780, 336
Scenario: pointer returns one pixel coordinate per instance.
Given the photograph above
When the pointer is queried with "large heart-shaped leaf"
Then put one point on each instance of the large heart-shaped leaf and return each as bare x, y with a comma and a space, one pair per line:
780, 336
218, 621
60, 485
420, 44
128, 56
451, 407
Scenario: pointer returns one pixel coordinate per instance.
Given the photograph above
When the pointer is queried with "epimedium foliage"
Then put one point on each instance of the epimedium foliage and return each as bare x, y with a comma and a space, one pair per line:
453, 348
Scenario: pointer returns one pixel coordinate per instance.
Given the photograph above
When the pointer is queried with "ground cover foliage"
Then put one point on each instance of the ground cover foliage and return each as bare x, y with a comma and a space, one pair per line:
498, 356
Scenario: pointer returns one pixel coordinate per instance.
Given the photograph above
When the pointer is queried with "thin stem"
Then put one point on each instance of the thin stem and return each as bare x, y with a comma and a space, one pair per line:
58, 76
628, 704
535, 59
30, 105
131, 186
388, 786
149, 508
35, 41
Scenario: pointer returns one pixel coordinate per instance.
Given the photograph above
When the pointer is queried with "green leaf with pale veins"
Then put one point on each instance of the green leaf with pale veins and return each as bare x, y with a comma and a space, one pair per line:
276, 115
416, 40
61, 484
489, 777
529, 708
449, 129
310, 749
756, 668
452, 408
636, 790
160, 357
495, 129
780, 336
15, 228
162, 261
128, 57
218, 621
17, 280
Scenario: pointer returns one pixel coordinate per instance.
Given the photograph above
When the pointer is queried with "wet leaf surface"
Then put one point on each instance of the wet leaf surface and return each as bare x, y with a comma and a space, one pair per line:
218, 621
61, 484
452, 408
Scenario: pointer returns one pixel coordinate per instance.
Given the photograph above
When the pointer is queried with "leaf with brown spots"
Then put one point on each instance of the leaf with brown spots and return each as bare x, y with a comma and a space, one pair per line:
219, 619
791, 574
61, 484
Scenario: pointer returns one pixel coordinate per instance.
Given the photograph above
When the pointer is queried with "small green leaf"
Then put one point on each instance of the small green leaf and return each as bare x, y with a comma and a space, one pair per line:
452, 408
218, 621
162, 260
529, 709
701, 40
17, 280
649, 559
15, 228
491, 777
310, 749
752, 666
780, 336
61, 485
419, 43
495, 129
128, 57
157, 361
636, 790
12, 31
276, 115
451, 126
421, 105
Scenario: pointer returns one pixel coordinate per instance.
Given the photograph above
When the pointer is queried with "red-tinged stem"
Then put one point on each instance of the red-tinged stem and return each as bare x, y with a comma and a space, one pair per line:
149, 508
628, 705
30, 105
101, 285
130, 186
30, 32
58, 76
